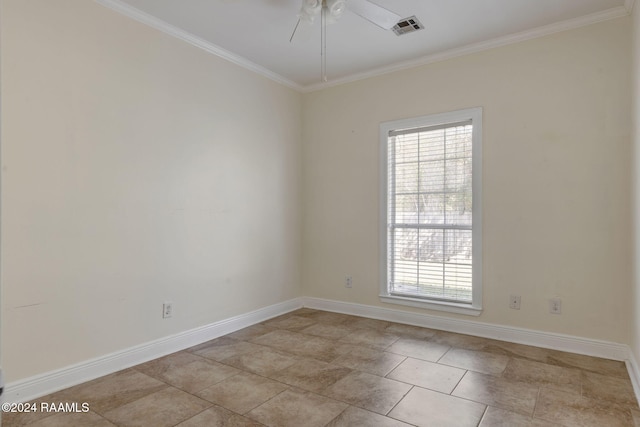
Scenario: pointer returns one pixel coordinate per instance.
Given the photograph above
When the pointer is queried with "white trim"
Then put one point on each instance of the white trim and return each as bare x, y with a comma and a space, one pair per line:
475, 115
634, 374
534, 33
49, 382
158, 24
449, 307
568, 343
140, 16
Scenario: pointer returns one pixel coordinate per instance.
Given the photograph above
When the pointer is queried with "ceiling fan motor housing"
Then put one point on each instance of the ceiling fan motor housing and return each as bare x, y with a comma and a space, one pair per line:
310, 9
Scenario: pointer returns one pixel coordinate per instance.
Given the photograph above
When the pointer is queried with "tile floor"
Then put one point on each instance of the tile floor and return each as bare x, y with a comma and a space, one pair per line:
314, 368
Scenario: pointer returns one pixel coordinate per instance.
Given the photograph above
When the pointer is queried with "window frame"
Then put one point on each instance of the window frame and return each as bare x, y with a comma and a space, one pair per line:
475, 115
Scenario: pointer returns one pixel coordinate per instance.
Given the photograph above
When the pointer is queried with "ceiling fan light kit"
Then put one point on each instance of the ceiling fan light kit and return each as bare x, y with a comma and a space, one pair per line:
335, 8
312, 8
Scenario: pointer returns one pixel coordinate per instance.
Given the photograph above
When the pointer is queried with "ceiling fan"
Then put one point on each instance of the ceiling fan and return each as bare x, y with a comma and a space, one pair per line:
331, 10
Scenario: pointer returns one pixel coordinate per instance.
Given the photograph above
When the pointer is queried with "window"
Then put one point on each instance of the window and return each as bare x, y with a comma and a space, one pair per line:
431, 214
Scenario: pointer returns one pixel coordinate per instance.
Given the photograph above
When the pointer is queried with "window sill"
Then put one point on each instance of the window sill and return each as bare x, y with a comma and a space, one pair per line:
450, 307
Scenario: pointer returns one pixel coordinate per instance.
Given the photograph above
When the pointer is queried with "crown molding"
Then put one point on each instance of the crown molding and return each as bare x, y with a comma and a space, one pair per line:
158, 24
546, 30
145, 18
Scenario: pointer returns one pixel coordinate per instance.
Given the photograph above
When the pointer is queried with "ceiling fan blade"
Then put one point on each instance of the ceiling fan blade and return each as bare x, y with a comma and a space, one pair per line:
373, 13
294, 31
303, 32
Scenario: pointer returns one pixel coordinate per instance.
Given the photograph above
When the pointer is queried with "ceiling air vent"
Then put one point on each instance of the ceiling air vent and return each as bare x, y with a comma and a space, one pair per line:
407, 25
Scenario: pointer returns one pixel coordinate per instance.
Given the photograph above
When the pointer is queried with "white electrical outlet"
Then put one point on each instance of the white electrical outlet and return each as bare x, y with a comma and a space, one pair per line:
167, 310
348, 281
555, 306
514, 302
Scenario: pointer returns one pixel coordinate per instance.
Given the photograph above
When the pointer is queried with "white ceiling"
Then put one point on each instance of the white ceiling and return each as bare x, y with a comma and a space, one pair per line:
255, 33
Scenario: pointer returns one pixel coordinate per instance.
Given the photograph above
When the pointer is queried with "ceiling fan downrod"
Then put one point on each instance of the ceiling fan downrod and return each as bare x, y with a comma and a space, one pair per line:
331, 10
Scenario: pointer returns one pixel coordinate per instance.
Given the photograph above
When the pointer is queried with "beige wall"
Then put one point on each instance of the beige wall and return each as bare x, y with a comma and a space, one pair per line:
135, 169
138, 169
556, 177
635, 55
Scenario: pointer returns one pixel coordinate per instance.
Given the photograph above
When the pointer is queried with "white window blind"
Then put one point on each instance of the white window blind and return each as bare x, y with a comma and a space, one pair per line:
430, 212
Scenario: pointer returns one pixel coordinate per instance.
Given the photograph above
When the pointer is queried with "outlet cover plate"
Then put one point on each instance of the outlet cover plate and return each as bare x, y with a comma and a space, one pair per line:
514, 302
167, 310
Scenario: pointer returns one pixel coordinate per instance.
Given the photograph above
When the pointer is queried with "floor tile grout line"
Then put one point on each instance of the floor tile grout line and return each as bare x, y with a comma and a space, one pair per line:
444, 354
144, 396
240, 371
535, 406
486, 409
396, 367
246, 414
400, 400
193, 416
458, 383
183, 390
288, 387
336, 417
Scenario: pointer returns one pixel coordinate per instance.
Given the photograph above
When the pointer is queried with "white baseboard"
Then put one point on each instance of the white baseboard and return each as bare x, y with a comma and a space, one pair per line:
568, 343
49, 382
634, 374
